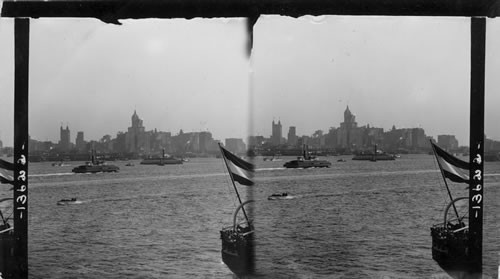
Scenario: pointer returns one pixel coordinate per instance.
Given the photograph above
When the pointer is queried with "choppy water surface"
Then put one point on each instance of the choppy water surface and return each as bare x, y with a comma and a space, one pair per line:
354, 220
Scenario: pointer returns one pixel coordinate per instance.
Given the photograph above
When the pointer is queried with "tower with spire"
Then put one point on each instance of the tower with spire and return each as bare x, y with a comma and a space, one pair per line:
347, 132
136, 139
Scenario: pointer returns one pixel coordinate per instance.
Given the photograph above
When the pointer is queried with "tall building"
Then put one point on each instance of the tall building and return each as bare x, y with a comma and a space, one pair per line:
80, 142
348, 134
292, 136
277, 133
64, 141
136, 140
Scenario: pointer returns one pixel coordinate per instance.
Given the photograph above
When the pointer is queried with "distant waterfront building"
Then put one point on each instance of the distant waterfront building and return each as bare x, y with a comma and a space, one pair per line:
331, 138
235, 145
64, 141
206, 141
256, 141
448, 142
292, 136
276, 133
137, 140
419, 139
120, 143
80, 142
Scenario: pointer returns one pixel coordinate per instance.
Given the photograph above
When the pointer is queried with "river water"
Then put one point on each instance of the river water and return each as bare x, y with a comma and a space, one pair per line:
357, 219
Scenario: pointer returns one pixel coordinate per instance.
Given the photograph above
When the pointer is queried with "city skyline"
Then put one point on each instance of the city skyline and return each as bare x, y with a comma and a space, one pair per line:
71, 135
194, 75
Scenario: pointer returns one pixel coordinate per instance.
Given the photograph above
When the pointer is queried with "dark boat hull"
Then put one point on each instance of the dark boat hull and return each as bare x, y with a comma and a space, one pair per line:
237, 264
307, 164
237, 251
370, 157
95, 169
161, 162
7, 262
450, 251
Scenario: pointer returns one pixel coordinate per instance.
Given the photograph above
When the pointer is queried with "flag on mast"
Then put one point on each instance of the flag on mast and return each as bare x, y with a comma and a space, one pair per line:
453, 168
241, 170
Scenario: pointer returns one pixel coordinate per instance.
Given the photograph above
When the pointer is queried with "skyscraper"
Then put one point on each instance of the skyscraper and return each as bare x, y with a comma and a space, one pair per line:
64, 141
136, 139
347, 132
292, 136
80, 142
277, 133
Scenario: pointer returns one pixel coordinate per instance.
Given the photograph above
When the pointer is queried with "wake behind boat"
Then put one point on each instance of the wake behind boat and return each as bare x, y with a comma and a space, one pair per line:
69, 201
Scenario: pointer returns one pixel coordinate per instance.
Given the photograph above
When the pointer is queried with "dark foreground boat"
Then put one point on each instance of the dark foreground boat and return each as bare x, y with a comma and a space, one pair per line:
7, 242
307, 161
237, 240
95, 166
161, 160
451, 238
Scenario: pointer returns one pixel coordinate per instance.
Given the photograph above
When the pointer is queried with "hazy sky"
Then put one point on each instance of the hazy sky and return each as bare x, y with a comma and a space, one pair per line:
194, 75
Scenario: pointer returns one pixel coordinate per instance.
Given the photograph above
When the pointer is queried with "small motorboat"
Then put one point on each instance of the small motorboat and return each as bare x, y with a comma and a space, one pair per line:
280, 196
341, 160
69, 201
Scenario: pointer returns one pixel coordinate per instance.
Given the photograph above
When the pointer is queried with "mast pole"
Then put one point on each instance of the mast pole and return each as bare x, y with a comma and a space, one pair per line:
445, 183
234, 185
476, 144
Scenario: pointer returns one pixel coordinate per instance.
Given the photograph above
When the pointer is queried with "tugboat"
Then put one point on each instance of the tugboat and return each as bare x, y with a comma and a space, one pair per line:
307, 161
237, 240
95, 166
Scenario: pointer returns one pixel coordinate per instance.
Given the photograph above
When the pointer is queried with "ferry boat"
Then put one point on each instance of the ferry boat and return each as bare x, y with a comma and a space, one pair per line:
377, 155
161, 161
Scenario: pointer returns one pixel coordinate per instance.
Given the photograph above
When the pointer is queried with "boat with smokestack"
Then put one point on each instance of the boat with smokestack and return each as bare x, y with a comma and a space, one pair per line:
95, 166
307, 161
